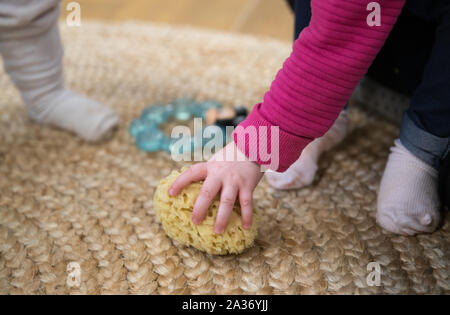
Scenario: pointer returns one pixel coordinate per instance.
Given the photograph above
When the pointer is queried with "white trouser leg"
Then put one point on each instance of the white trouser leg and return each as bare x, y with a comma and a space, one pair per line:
34, 64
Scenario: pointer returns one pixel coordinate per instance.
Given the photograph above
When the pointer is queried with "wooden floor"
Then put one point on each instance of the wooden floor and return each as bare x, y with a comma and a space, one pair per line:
259, 17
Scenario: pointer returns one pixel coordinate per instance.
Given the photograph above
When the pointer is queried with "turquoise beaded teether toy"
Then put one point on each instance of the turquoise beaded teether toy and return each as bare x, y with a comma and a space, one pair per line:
146, 129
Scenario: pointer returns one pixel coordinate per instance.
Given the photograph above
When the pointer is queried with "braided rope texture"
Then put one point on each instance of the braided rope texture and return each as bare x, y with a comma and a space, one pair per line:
63, 200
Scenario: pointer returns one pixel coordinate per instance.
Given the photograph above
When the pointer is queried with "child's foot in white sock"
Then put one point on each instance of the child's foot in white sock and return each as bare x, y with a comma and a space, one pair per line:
35, 66
71, 111
303, 172
408, 201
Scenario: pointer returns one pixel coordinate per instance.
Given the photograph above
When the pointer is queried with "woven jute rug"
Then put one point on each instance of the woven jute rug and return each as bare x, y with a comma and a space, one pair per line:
63, 201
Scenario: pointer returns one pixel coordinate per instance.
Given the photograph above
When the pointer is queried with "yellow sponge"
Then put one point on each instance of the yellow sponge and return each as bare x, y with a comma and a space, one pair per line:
175, 215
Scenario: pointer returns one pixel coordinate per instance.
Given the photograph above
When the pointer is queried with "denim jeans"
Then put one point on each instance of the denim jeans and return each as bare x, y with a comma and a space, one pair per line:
415, 60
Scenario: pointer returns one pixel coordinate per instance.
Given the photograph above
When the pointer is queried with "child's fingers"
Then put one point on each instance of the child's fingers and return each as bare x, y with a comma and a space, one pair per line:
195, 173
246, 201
227, 200
209, 191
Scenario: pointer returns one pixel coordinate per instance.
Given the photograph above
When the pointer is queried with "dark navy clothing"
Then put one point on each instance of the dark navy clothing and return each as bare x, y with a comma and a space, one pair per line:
415, 60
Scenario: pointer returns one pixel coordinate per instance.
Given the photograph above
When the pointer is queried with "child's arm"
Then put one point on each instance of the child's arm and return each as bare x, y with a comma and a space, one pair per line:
328, 60
309, 92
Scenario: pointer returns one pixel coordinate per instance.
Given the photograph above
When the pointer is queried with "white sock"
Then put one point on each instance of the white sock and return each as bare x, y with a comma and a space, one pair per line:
408, 201
35, 66
303, 172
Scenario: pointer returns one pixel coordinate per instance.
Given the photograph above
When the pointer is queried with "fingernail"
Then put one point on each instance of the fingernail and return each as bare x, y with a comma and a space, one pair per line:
218, 230
195, 221
171, 192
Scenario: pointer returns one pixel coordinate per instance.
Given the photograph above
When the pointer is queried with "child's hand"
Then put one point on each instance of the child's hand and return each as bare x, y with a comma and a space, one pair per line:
230, 171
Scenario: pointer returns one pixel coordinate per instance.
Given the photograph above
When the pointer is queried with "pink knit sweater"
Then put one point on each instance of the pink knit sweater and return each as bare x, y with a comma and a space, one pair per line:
329, 58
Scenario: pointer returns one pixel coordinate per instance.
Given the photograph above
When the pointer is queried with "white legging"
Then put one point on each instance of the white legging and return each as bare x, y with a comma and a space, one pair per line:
31, 49
25, 18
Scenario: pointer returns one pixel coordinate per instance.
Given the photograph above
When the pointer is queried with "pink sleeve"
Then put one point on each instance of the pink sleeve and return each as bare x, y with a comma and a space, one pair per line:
329, 58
